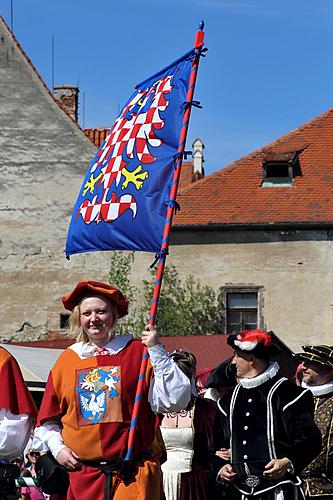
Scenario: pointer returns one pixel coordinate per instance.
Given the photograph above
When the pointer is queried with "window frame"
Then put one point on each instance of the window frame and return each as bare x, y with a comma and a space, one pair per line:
239, 288
64, 321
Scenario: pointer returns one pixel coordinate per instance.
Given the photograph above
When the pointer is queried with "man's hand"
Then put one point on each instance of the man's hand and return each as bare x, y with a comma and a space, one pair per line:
276, 468
149, 336
227, 473
68, 459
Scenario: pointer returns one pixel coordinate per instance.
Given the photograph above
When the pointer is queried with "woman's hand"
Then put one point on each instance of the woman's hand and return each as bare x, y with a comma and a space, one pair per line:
149, 336
223, 453
68, 459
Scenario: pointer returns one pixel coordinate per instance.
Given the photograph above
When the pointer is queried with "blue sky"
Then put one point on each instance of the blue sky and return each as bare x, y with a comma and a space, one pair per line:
268, 68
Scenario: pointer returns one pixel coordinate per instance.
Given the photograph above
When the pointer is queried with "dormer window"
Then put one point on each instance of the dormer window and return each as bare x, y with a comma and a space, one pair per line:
279, 169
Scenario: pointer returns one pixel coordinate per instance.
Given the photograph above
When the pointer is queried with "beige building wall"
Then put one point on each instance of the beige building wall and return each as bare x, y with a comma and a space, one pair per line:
296, 279
43, 158
296, 276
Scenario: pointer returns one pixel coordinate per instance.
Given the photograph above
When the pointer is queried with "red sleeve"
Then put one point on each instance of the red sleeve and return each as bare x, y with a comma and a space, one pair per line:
50, 407
15, 395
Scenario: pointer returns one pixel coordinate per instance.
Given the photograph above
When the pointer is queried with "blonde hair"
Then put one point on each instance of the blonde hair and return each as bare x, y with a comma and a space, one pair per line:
75, 328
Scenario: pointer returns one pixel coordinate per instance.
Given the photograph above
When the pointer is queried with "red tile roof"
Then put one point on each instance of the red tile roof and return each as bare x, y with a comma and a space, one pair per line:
234, 194
187, 175
97, 135
210, 350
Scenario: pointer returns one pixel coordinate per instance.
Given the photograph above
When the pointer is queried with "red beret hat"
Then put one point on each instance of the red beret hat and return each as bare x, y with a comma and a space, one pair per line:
88, 288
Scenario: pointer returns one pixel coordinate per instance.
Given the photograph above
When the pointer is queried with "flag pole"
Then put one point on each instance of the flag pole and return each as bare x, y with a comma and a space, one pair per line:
198, 44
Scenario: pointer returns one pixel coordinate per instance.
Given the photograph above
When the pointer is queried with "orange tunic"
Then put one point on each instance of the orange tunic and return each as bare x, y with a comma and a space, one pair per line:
94, 398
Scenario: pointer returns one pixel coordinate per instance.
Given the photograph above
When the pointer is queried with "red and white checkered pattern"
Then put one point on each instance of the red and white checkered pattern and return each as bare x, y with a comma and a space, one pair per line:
107, 211
127, 135
132, 134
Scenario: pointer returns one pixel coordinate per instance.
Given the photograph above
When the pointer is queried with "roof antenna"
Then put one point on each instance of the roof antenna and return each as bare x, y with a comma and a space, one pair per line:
83, 109
52, 65
11, 16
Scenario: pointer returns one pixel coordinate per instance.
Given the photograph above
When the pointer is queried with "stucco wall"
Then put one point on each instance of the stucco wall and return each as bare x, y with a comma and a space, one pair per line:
296, 276
43, 158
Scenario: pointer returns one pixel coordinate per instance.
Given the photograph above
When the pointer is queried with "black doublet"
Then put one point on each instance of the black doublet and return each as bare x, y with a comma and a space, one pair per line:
267, 421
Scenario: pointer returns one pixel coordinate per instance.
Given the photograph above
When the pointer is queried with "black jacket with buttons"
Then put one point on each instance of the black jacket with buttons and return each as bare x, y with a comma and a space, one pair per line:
266, 421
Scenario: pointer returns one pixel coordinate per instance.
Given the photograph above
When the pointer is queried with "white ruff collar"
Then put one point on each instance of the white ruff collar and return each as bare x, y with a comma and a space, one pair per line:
87, 349
319, 390
270, 372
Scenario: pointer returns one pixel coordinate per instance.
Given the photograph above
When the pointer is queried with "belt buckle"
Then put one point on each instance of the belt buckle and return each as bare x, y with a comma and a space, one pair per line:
252, 481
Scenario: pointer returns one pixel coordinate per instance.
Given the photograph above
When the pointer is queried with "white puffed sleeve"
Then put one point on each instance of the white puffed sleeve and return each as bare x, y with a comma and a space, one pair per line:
170, 389
48, 437
14, 434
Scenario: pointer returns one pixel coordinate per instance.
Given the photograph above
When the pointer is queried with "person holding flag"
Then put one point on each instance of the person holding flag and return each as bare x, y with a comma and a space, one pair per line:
99, 418
85, 415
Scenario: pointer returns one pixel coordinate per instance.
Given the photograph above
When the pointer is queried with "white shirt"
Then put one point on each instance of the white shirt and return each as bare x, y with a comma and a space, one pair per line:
170, 389
14, 434
319, 390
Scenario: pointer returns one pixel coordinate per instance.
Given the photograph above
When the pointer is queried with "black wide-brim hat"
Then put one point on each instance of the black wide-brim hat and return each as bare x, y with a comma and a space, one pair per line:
224, 375
256, 342
322, 354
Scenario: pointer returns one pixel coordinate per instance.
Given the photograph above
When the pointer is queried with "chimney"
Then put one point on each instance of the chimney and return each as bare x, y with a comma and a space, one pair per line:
68, 98
198, 159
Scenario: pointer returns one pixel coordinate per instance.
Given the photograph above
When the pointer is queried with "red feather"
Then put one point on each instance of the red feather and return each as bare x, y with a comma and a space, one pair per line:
255, 336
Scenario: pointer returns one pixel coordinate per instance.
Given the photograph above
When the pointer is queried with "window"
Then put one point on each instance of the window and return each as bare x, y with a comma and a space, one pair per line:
242, 312
64, 321
279, 169
241, 307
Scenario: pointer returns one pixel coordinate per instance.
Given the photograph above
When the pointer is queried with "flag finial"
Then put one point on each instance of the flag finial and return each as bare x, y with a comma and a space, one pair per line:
201, 25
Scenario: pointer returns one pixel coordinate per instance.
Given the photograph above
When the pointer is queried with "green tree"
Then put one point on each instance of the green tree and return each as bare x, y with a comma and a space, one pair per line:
120, 276
185, 306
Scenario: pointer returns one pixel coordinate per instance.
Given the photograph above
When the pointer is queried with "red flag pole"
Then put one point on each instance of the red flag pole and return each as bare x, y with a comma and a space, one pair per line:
198, 44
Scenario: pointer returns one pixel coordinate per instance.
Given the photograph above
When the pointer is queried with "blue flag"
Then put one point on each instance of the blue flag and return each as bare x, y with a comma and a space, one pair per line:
123, 200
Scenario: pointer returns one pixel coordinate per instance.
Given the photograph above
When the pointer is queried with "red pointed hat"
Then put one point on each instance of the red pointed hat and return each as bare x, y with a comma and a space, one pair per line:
254, 342
88, 288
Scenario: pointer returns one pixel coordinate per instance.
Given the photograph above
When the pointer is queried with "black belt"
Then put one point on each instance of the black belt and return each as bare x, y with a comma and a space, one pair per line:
101, 464
108, 467
121, 467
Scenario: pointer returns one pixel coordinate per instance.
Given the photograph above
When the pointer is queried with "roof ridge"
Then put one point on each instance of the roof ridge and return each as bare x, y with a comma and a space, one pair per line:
29, 61
258, 151
281, 139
